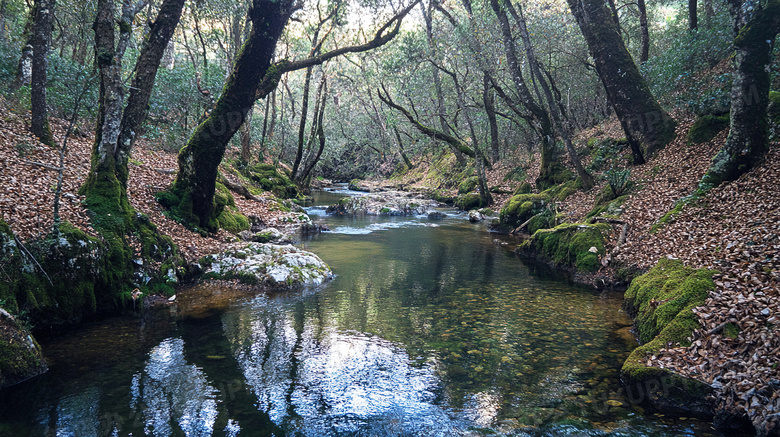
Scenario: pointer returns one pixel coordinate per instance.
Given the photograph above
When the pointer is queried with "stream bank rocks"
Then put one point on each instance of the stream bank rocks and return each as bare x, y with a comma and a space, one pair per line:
20, 356
273, 265
388, 203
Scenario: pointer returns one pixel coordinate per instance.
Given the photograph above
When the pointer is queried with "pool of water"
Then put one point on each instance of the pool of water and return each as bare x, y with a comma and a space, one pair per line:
430, 328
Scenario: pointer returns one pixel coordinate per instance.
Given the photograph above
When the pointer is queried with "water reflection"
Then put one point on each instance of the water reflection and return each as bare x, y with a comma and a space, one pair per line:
171, 391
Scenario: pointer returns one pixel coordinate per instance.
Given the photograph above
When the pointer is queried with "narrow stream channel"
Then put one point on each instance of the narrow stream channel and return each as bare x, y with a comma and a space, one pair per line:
430, 328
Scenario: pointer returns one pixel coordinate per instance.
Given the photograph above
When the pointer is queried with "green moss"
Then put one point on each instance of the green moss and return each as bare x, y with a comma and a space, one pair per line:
469, 201
569, 245
669, 216
706, 128
773, 110
541, 221
613, 208
233, 221
657, 297
731, 330
468, 185
270, 179
556, 176
521, 207
524, 188
20, 357
662, 301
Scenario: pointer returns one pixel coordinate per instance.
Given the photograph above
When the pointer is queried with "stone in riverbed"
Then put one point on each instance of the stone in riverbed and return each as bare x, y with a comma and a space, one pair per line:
274, 265
475, 216
20, 356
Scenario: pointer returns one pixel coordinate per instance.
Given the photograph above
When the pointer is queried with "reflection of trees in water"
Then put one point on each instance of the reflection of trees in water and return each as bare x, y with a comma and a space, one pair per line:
170, 391
317, 381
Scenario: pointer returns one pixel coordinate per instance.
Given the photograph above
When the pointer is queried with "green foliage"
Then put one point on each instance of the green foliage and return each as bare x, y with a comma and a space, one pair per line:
558, 175
619, 181
674, 73
707, 127
605, 152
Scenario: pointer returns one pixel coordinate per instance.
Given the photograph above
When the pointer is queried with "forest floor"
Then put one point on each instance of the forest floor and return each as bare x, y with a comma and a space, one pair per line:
734, 229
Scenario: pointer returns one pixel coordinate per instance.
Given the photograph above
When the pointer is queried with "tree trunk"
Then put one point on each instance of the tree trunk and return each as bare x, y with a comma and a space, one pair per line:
693, 18
246, 139
755, 30
406, 159
253, 78
319, 114
199, 159
490, 110
545, 126
644, 51
106, 184
627, 91
44, 20
302, 124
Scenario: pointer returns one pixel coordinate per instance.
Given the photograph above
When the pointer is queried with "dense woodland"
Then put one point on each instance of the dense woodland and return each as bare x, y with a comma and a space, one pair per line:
481, 102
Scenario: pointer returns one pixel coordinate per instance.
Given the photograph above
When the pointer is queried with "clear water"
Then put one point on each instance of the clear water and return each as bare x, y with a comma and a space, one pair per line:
430, 328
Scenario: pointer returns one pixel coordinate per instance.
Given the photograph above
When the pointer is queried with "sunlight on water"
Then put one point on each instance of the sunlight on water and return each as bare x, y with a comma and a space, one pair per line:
428, 329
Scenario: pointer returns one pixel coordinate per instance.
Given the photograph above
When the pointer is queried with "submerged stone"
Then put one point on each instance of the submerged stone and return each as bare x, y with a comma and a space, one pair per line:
20, 356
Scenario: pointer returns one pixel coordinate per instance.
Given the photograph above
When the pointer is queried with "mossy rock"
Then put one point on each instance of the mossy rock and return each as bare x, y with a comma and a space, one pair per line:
613, 208
469, 201
233, 221
660, 295
556, 176
20, 355
521, 207
269, 178
468, 185
523, 188
662, 301
707, 127
541, 221
570, 245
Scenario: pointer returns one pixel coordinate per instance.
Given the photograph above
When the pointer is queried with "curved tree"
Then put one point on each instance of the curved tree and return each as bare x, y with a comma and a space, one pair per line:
253, 77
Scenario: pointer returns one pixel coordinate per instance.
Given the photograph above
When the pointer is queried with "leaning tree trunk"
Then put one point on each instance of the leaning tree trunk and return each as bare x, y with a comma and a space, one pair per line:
639, 112
755, 30
44, 20
199, 159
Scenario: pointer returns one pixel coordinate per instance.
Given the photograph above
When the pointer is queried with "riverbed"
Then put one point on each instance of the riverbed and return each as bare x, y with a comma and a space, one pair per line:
431, 327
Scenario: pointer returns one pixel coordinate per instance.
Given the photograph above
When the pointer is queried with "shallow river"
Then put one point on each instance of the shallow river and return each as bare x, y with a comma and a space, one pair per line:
430, 328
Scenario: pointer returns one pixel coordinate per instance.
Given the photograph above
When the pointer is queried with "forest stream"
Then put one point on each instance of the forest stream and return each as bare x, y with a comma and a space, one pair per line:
430, 328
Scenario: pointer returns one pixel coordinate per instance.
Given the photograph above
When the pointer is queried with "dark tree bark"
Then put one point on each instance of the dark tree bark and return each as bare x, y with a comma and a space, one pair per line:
401, 150
538, 114
490, 110
639, 112
644, 31
319, 133
44, 20
693, 17
246, 139
755, 30
253, 78
24, 67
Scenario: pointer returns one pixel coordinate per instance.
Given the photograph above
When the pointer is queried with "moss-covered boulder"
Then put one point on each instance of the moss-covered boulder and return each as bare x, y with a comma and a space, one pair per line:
469, 201
20, 355
468, 185
569, 246
523, 188
707, 127
521, 207
661, 302
269, 178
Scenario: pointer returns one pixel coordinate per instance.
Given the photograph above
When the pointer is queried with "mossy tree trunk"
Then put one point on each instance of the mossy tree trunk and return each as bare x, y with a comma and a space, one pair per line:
41, 40
639, 112
118, 125
253, 78
755, 27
